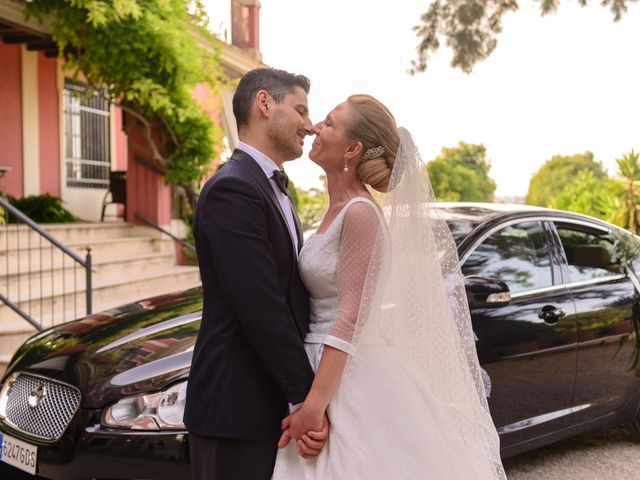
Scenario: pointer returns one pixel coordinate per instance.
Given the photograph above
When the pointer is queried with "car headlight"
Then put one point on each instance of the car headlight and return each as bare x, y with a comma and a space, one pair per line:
154, 411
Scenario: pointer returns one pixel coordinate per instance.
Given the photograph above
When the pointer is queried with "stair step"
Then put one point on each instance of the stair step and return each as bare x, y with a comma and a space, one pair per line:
46, 256
55, 308
103, 269
11, 234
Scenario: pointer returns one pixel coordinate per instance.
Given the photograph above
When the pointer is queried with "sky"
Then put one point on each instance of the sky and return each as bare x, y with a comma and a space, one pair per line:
555, 85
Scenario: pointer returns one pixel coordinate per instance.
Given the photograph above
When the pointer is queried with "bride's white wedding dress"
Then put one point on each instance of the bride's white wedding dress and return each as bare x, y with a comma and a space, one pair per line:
414, 442
385, 287
320, 264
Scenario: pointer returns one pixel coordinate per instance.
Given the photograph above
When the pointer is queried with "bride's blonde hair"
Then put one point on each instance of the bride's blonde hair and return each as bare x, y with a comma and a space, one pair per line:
374, 126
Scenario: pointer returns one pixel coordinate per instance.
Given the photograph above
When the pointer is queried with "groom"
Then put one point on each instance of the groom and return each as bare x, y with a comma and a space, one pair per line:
249, 360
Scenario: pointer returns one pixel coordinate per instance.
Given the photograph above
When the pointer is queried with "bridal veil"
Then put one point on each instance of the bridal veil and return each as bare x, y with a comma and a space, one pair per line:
411, 403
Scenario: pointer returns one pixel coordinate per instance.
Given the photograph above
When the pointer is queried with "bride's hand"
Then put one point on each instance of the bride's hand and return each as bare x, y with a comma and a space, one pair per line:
312, 443
308, 428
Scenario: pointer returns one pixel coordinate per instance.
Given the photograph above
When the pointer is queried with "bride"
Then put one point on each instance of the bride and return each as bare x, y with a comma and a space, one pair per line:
390, 334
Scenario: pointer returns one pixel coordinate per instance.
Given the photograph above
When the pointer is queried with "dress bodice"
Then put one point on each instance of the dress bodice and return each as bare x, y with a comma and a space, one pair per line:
318, 265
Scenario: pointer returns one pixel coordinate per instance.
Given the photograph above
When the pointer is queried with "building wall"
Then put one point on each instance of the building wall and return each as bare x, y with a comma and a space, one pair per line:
147, 193
11, 119
119, 140
32, 132
49, 118
211, 103
86, 203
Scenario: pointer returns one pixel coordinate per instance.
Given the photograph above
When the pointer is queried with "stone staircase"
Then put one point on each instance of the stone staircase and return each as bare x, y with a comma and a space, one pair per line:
130, 262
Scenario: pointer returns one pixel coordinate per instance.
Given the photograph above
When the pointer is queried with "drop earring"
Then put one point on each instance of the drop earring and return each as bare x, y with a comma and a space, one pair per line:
345, 169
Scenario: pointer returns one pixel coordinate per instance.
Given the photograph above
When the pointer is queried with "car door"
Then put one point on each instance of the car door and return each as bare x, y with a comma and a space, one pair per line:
527, 347
604, 297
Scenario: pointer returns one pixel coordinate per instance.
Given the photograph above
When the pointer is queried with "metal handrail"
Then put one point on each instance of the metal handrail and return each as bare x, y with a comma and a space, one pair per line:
34, 226
154, 225
85, 263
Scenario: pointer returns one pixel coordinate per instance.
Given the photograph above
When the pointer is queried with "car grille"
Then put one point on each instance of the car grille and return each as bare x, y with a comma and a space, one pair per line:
38, 406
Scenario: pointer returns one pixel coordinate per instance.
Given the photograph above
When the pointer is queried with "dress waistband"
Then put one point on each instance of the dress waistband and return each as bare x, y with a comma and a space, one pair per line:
314, 338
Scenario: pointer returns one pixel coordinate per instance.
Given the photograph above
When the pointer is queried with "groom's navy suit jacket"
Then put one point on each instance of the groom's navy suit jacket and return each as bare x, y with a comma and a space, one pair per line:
249, 358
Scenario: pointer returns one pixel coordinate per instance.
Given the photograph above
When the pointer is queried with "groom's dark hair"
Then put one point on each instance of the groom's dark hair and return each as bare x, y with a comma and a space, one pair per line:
277, 83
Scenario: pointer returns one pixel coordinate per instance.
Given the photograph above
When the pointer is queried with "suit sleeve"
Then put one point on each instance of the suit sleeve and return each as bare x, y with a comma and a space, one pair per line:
234, 223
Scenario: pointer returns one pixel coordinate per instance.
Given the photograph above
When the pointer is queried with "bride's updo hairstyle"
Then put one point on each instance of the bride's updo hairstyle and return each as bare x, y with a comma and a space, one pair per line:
374, 126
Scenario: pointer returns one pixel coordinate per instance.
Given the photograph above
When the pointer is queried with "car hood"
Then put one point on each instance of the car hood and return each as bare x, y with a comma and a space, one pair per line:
139, 347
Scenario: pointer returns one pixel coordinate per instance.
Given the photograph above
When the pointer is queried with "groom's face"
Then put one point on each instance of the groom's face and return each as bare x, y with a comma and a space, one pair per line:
290, 124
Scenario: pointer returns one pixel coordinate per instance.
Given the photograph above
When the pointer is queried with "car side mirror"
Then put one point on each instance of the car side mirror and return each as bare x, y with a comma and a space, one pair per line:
486, 292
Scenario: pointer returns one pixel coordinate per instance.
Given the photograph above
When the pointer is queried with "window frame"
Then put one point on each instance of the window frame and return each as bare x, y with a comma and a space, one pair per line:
566, 274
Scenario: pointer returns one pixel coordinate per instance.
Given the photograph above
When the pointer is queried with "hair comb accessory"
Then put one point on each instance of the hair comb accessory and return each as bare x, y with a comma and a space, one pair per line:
372, 153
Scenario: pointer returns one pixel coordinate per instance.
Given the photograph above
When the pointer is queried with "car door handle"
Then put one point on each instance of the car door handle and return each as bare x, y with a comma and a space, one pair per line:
551, 314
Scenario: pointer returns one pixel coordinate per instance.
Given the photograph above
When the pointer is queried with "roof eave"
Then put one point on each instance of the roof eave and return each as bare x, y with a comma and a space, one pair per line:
13, 11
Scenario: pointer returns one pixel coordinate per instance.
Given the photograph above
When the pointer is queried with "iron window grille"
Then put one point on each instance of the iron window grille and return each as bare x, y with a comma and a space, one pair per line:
87, 136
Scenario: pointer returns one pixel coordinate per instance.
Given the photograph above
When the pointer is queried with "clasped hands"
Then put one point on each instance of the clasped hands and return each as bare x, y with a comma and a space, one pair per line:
309, 427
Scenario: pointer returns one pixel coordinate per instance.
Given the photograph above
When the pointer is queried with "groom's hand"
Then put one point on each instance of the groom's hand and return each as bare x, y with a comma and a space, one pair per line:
306, 419
285, 438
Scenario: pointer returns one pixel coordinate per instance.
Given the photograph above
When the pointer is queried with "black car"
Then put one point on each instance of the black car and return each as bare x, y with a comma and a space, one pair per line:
553, 306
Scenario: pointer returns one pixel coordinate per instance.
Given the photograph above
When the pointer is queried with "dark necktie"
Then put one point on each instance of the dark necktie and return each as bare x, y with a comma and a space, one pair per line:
281, 180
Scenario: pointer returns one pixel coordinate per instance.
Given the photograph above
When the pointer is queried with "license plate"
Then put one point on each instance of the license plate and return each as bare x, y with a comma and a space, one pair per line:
18, 453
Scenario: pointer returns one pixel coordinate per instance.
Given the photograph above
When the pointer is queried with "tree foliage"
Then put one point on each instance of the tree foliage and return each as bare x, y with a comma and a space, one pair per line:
592, 192
462, 174
147, 56
629, 184
557, 173
312, 204
586, 193
470, 27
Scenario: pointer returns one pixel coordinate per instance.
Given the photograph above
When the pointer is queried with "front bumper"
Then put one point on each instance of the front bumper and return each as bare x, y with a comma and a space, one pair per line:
89, 451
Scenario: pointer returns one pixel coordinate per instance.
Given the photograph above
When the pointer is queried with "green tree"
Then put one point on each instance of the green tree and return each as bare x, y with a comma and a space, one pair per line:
312, 204
629, 182
557, 173
147, 55
469, 27
462, 174
591, 195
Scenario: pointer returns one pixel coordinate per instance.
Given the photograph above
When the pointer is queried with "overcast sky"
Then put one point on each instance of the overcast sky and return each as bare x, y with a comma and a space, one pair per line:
560, 84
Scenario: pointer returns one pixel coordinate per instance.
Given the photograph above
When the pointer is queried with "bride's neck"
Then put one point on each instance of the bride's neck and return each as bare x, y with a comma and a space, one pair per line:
342, 187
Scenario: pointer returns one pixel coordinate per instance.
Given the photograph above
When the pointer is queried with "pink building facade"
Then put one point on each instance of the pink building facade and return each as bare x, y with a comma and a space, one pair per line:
55, 141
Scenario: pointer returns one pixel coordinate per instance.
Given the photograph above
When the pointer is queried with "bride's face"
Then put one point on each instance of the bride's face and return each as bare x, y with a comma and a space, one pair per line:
331, 144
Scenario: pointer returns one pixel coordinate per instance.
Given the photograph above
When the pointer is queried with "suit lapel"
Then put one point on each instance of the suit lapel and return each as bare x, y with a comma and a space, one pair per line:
296, 220
296, 287
256, 172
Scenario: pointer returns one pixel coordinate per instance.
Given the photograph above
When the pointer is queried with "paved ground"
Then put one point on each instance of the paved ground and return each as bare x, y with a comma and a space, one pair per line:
603, 455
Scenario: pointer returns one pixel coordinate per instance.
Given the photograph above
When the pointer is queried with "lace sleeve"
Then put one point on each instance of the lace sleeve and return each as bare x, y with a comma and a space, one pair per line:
358, 246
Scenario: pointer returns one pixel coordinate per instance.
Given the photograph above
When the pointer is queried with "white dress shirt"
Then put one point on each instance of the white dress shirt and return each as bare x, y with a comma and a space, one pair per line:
268, 166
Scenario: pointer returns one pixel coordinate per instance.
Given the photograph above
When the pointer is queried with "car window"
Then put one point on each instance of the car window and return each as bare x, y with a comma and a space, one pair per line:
517, 255
589, 252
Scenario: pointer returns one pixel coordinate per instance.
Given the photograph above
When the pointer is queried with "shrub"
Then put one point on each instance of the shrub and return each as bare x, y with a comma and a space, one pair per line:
42, 209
